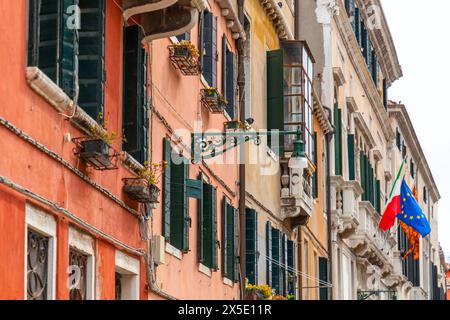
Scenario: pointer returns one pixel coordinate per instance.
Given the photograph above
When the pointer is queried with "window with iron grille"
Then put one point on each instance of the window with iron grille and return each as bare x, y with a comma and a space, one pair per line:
78, 276
37, 266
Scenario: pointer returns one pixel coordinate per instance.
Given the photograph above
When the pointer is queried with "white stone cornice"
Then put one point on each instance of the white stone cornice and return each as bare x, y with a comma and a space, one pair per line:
278, 19
352, 105
364, 129
338, 75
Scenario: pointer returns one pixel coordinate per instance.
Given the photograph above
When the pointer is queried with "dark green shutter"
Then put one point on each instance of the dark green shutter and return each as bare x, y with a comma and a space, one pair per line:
269, 253
358, 26
365, 41
135, 97
92, 56
351, 156
291, 267
201, 206
323, 276
206, 227
224, 244
369, 58
179, 213
235, 245
231, 83
167, 150
33, 32
230, 219
385, 93
68, 49
251, 234
49, 20
284, 275
362, 174
378, 196
315, 186
338, 140
214, 263
209, 35
224, 66
275, 100
276, 258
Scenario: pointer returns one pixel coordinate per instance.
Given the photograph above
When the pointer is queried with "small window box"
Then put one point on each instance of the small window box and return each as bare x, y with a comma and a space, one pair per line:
213, 100
139, 190
184, 56
234, 125
96, 153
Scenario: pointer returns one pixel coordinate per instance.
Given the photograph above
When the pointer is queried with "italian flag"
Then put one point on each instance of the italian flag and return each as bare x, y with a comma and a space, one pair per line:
394, 205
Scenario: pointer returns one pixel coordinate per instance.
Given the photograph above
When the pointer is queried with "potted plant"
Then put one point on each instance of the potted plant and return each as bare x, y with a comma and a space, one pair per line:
96, 149
212, 99
233, 125
184, 56
143, 188
261, 292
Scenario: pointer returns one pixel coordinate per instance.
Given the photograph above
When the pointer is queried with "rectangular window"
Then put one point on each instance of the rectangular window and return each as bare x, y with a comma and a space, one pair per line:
291, 270
175, 212
208, 49
338, 140
306, 257
316, 276
135, 110
251, 245
40, 259
315, 185
276, 260
398, 139
269, 253
412, 169
229, 240
351, 157
385, 93
323, 276
290, 95
126, 277
65, 54
208, 227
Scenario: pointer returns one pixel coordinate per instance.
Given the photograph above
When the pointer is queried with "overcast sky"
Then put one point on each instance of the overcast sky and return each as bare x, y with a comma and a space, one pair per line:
421, 36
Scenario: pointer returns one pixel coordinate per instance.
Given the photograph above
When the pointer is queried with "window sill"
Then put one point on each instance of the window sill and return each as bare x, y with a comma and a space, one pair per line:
205, 270
228, 282
174, 251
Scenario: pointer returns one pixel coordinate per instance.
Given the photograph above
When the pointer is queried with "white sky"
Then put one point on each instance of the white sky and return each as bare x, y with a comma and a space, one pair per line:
420, 31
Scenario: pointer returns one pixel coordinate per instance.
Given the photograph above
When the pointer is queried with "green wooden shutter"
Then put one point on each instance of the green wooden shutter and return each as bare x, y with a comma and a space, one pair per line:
338, 140
68, 49
201, 206
276, 258
351, 156
49, 20
315, 186
230, 242
385, 94
362, 174
323, 276
209, 35
33, 32
284, 276
269, 253
231, 84
291, 267
224, 245
167, 150
207, 226
275, 99
250, 245
378, 196
224, 66
179, 214
235, 245
358, 26
214, 264
135, 97
92, 56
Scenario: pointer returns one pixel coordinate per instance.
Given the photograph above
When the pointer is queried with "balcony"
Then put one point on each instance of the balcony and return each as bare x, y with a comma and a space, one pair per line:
344, 206
296, 195
164, 18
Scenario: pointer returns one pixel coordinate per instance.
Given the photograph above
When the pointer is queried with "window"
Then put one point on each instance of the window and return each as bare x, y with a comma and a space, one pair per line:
81, 266
385, 93
248, 68
269, 253
404, 151
66, 54
398, 139
291, 270
208, 48
40, 259
175, 212
290, 95
184, 37
228, 78
425, 196
251, 245
135, 109
126, 277
277, 261
351, 156
208, 227
316, 276
230, 242
411, 168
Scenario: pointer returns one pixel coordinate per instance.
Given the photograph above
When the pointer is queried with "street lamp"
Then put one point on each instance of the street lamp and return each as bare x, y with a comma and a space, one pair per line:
298, 159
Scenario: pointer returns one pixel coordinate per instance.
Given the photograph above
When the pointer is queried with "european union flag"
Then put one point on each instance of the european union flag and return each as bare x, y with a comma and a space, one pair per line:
412, 215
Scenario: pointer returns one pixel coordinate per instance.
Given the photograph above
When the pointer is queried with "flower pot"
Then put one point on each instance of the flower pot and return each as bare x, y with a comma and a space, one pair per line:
96, 152
139, 190
181, 51
233, 124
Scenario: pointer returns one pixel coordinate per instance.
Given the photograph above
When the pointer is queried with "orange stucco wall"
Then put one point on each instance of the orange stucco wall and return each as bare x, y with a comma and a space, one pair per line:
177, 99
31, 168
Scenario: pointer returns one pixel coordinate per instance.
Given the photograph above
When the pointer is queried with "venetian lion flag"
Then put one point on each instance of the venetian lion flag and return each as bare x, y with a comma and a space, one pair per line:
403, 206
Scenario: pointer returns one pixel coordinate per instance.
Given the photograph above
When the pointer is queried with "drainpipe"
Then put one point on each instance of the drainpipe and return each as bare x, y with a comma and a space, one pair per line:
328, 139
241, 101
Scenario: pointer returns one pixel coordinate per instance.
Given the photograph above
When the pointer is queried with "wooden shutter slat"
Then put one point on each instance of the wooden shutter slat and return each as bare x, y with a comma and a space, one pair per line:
224, 244
235, 245
214, 264
166, 189
351, 156
250, 245
269, 253
201, 204
276, 257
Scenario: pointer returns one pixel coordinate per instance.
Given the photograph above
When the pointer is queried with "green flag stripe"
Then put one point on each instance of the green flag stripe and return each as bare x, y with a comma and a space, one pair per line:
396, 179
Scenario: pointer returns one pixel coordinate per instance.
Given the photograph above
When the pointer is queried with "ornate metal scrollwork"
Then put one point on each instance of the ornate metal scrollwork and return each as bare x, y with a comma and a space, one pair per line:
78, 263
37, 266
